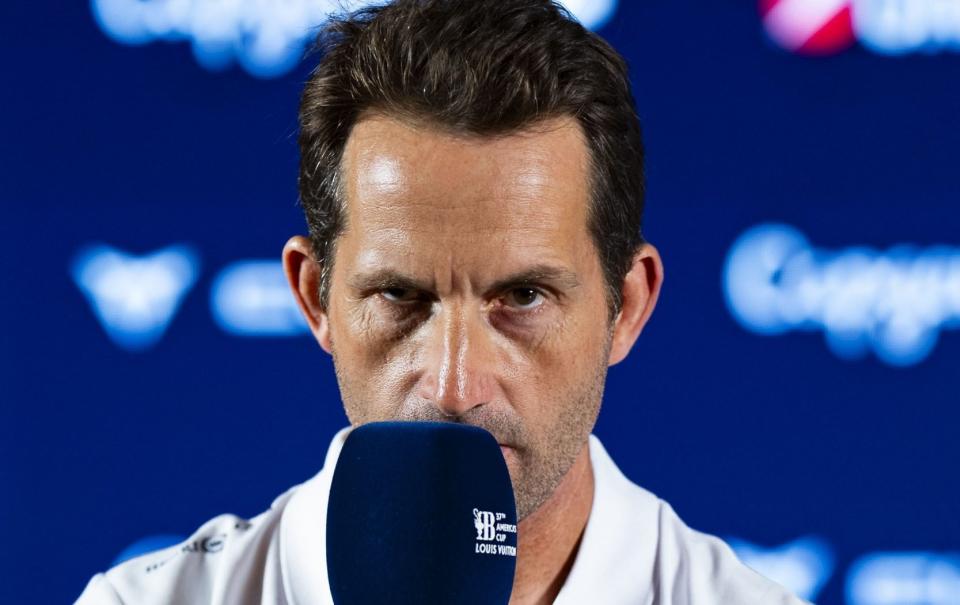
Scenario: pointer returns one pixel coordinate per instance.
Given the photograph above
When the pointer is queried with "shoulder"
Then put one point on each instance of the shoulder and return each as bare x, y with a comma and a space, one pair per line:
700, 568
634, 530
233, 560
227, 560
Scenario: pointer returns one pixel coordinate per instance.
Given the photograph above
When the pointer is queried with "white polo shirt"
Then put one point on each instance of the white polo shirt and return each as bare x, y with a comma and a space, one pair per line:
634, 551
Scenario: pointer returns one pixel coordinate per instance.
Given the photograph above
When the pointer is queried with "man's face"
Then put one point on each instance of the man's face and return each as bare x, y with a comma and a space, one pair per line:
466, 288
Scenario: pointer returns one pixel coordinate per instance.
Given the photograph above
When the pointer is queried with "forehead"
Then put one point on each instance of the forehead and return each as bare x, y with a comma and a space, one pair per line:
425, 189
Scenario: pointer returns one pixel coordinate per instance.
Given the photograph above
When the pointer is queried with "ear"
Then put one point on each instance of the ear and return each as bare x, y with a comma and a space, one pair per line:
303, 275
641, 287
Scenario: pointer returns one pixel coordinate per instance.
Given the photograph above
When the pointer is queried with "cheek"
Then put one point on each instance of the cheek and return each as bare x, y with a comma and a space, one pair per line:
376, 369
563, 360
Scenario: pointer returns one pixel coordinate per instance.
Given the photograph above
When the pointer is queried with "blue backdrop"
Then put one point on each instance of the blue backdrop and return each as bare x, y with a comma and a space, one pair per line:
795, 391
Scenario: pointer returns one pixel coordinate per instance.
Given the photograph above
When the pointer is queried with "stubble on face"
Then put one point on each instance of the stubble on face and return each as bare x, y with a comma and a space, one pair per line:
537, 460
429, 208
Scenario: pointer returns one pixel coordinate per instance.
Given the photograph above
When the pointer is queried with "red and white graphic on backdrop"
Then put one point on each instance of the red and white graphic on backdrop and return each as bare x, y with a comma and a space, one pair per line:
809, 27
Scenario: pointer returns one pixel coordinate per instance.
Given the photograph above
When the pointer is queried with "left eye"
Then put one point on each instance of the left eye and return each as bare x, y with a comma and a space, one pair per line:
523, 298
400, 295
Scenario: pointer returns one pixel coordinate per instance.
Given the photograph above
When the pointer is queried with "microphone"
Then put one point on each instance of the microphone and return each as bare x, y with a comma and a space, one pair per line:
421, 513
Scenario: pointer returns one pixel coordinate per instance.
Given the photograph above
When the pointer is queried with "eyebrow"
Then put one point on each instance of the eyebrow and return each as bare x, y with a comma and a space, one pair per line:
558, 276
384, 278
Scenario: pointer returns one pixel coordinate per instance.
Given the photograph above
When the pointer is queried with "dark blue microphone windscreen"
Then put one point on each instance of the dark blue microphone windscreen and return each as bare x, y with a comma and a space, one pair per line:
421, 513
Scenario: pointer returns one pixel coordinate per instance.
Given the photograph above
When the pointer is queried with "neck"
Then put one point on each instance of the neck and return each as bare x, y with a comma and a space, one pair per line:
548, 539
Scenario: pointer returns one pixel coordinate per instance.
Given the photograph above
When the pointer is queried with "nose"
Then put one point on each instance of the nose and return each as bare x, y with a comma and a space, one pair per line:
459, 372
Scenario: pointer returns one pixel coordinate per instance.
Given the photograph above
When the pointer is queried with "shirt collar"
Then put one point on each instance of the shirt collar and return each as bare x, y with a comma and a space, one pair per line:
303, 545
621, 533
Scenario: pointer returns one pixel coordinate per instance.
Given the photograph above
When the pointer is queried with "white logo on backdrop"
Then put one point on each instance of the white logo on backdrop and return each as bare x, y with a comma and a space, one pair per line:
252, 298
893, 302
890, 27
803, 565
900, 26
135, 297
266, 37
905, 578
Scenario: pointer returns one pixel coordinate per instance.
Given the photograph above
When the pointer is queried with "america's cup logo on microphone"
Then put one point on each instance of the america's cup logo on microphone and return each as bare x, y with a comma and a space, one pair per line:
493, 527
486, 524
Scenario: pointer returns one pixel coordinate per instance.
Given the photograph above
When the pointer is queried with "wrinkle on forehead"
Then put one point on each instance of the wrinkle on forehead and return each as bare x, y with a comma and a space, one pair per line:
385, 157
435, 201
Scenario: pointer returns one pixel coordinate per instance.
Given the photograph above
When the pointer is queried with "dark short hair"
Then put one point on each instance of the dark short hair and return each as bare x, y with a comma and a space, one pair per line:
479, 67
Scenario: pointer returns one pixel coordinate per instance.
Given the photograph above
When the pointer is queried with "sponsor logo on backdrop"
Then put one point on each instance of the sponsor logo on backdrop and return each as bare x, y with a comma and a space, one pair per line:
893, 303
905, 578
803, 565
881, 578
265, 37
812, 27
889, 27
135, 297
252, 298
